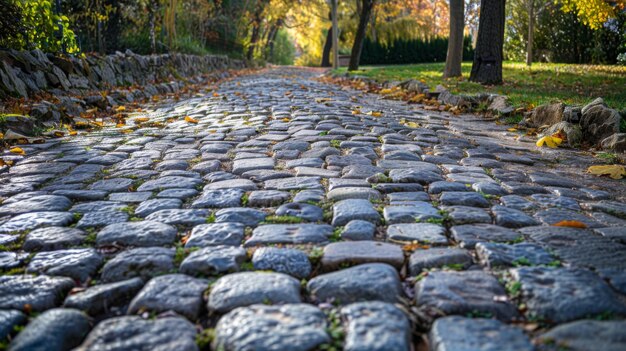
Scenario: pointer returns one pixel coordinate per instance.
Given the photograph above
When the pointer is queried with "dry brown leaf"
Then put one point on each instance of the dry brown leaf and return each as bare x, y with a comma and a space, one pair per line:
571, 224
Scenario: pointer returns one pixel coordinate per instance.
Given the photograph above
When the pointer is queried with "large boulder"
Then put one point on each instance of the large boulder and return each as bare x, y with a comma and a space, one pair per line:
500, 104
548, 114
414, 86
598, 121
573, 132
616, 142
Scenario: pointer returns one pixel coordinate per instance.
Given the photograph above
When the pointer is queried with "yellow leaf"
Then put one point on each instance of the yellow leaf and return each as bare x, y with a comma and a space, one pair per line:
412, 125
120, 125
571, 224
613, 171
285, 120
356, 112
72, 132
549, 141
141, 120
17, 150
190, 120
58, 134
512, 129
385, 91
322, 100
5, 163
375, 113
120, 109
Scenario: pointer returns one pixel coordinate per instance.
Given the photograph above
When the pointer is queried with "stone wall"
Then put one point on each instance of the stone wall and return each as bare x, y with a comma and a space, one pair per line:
24, 73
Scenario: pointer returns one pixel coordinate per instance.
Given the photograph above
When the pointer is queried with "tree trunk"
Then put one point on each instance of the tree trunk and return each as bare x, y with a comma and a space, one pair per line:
328, 45
335, 20
256, 30
153, 9
487, 66
455, 40
531, 32
357, 47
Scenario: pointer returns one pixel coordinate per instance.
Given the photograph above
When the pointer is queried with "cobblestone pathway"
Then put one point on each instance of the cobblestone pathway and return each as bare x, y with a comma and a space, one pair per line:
286, 220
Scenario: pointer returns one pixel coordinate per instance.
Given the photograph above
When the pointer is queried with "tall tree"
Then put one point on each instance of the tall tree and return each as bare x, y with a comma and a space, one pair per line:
534, 8
487, 66
357, 47
455, 39
328, 44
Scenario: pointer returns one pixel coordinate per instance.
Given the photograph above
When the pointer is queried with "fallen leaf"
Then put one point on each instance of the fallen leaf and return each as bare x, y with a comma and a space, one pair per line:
17, 150
322, 100
59, 134
571, 224
5, 163
120, 109
613, 171
141, 120
512, 129
550, 141
375, 113
190, 120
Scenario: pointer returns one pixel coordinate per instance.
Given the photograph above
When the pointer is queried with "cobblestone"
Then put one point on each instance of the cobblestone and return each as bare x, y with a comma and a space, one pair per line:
333, 218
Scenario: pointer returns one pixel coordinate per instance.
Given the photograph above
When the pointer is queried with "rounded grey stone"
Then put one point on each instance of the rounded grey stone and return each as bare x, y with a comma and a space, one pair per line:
346, 210
421, 260
112, 184
149, 206
30, 221
56, 329
42, 203
144, 233
376, 326
78, 264
476, 334
564, 294
9, 319
173, 292
246, 216
213, 260
133, 333
99, 219
141, 262
504, 255
185, 217
169, 182
216, 234
358, 229
289, 261
425, 233
304, 211
219, 198
468, 235
585, 335
267, 198
297, 327
100, 299
365, 282
289, 234
53, 238
464, 292
40, 293
249, 288
353, 253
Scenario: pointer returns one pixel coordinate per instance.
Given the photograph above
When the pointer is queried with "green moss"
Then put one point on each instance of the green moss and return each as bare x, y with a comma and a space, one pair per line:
282, 220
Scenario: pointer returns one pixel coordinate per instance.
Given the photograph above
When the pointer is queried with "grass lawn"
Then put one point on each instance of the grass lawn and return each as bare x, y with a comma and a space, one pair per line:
545, 82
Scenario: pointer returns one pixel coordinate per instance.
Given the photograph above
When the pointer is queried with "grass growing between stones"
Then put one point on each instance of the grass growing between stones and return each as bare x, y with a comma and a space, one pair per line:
543, 83
282, 220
